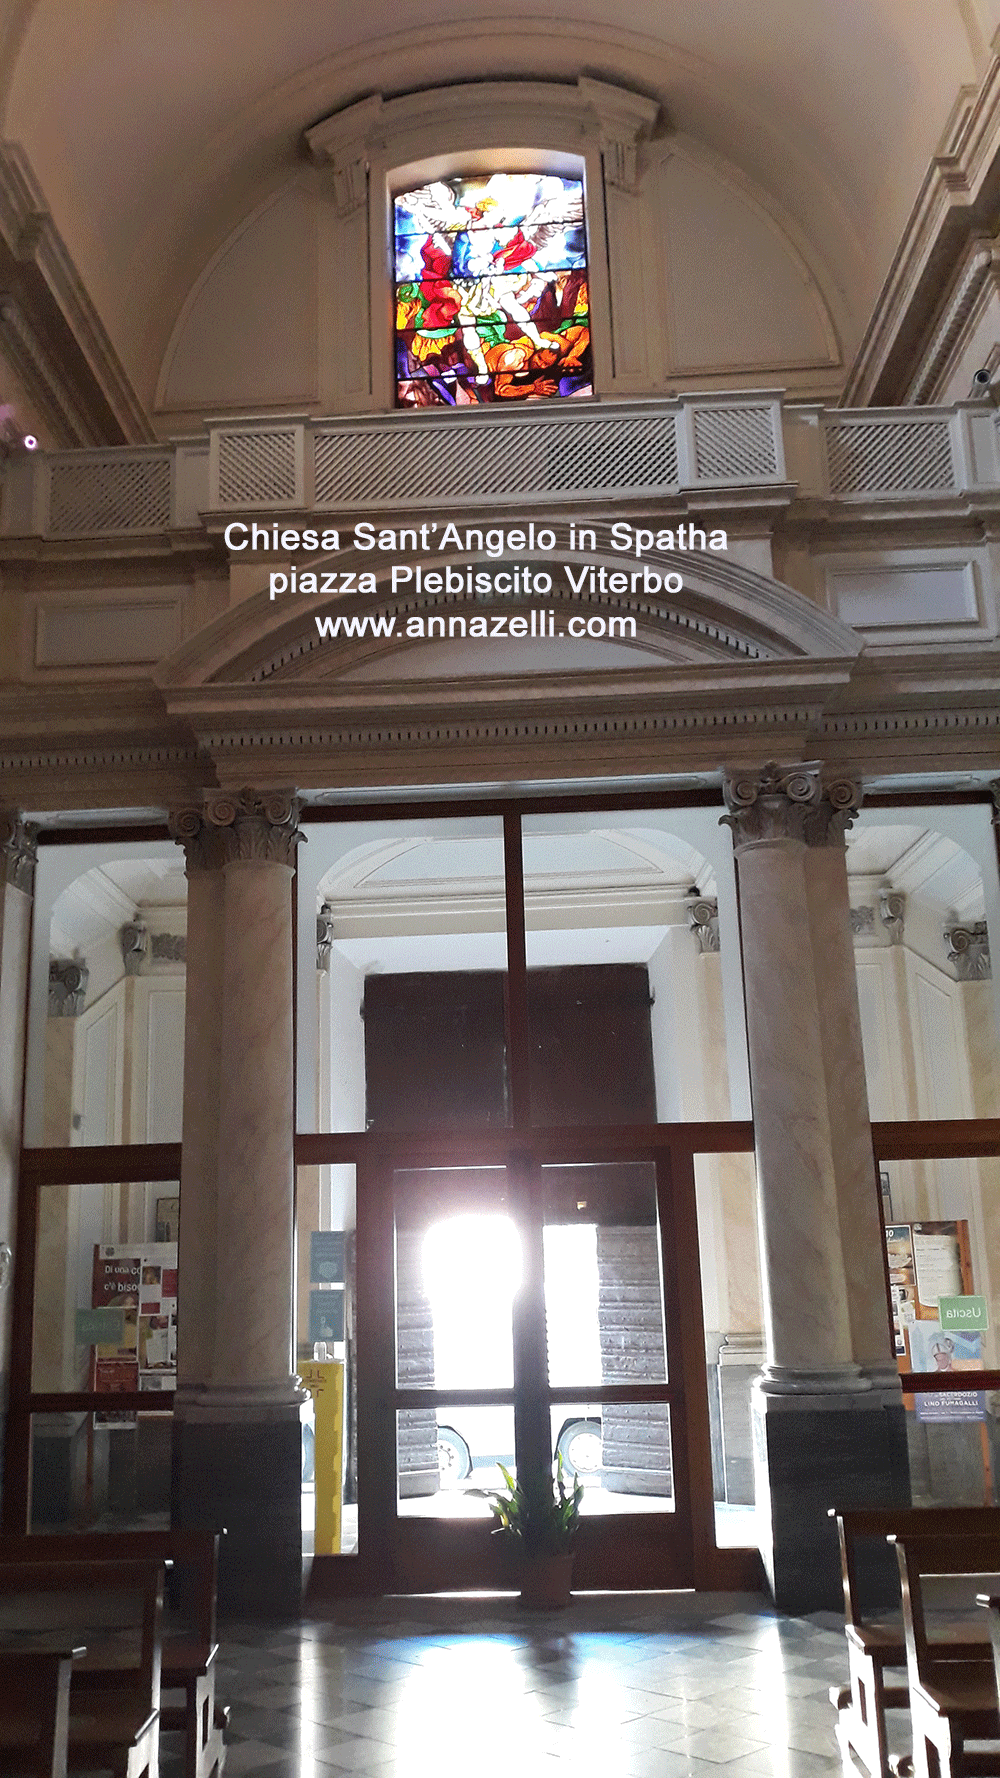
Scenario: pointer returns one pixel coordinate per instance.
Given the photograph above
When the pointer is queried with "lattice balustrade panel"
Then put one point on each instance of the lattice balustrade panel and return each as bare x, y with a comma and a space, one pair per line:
734, 443
399, 465
91, 494
257, 468
889, 456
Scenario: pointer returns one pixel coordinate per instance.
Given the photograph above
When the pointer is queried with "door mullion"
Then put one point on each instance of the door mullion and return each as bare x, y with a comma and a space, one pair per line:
532, 1435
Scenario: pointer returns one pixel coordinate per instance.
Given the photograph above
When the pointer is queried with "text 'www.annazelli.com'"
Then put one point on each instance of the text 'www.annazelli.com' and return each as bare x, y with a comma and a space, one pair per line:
540, 624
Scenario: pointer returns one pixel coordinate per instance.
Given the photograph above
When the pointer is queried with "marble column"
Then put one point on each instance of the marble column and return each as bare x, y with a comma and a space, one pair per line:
858, 1197
821, 1436
17, 875
241, 1462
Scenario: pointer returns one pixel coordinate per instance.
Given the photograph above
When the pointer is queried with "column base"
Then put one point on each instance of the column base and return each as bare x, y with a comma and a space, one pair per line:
812, 1452
241, 1469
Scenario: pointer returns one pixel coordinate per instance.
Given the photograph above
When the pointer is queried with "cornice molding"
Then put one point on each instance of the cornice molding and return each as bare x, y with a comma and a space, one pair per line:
32, 238
980, 272
40, 372
958, 199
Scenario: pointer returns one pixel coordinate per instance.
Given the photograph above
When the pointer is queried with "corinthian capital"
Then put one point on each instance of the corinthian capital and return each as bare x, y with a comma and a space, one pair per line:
836, 811
256, 826
203, 848
18, 847
771, 803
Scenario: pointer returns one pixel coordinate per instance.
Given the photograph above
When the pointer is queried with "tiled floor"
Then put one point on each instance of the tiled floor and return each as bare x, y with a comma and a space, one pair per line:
641, 1686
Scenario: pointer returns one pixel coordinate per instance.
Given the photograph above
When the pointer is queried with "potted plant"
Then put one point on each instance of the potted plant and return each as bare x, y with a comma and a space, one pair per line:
539, 1516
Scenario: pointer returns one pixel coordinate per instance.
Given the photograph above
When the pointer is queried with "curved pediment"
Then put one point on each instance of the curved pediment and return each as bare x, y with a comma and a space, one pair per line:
725, 616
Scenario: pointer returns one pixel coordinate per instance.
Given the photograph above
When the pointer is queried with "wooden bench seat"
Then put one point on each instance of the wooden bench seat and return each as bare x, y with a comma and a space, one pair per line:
189, 1646
952, 1700
34, 1710
877, 1644
113, 1713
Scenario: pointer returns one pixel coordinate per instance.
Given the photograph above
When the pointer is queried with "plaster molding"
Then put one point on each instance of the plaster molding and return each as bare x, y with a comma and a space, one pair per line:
960, 193
43, 379
703, 919
892, 913
32, 237
863, 920
134, 940
19, 851
68, 978
981, 272
624, 120
969, 951
324, 936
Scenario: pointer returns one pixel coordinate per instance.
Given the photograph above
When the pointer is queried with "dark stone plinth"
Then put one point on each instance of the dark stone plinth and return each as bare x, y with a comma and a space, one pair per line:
246, 1477
813, 1452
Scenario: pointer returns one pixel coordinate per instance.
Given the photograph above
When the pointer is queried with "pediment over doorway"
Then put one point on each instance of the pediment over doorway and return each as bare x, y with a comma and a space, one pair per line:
734, 660
725, 616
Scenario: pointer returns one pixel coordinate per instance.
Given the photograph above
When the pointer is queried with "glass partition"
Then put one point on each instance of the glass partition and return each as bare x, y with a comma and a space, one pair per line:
726, 1187
401, 1019
924, 902
106, 1012
634, 982
326, 1355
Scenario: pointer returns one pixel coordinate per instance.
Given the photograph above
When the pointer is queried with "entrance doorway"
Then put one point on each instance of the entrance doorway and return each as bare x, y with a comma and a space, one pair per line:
520, 1304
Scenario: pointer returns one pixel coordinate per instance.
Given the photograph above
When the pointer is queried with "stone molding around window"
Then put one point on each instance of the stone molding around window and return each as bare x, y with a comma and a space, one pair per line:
380, 145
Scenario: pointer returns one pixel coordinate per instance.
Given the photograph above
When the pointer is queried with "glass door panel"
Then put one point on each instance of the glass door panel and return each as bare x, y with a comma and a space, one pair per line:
458, 1268
605, 1334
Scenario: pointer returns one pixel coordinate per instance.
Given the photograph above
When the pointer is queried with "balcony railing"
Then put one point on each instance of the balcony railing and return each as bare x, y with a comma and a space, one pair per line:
540, 457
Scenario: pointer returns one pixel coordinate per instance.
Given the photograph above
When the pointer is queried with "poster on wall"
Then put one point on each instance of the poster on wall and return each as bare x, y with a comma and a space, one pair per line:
935, 1314
140, 1279
935, 1349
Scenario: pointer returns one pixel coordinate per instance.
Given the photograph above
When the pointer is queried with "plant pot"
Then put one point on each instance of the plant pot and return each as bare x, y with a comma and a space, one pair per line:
545, 1582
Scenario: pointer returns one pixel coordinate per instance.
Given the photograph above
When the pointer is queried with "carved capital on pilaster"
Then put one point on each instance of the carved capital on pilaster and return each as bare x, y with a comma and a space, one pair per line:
863, 920
255, 826
19, 850
703, 919
324, 936
892, 913
344, 144
203, 847
969, 951
836, 811
773, 802
68, 978
624, 119
134, 940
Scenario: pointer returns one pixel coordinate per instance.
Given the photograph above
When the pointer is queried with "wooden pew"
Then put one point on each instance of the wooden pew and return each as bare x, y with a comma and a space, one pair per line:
952, 1700
34, 1710
876, 1641
992, 1604
189, 1647
113, 1709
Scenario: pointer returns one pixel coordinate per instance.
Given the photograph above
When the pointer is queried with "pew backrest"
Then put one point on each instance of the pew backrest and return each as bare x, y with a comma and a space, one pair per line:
193, 1555
860, 1526
955, 1559
42, 1600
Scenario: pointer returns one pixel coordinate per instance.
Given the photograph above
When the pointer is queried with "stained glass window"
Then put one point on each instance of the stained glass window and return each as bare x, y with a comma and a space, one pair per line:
492, 300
